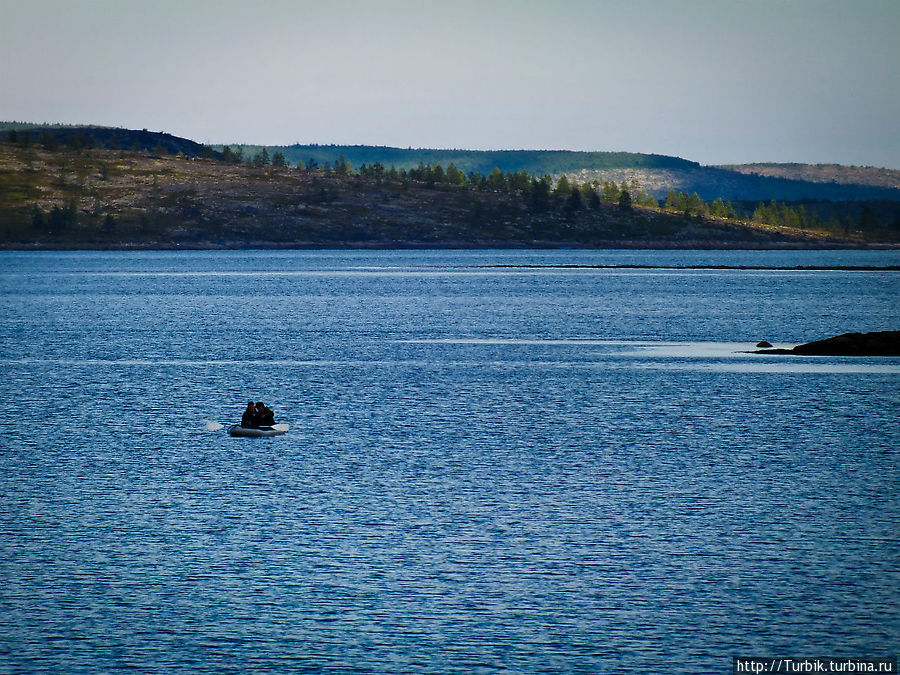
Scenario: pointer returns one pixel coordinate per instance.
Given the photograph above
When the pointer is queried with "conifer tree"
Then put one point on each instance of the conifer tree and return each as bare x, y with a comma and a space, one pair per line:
540, 193
574, 201
454, 175
563, 187
496, 180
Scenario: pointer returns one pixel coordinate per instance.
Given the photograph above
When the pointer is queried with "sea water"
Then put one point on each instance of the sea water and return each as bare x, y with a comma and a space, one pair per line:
499, 461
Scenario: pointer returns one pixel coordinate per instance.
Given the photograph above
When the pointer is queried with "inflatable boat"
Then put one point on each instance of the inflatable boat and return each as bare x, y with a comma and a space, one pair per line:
256, 432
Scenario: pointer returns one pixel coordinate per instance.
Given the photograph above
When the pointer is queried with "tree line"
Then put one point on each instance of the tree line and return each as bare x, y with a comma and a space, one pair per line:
554, 162
86, 138
541, 193
815, 216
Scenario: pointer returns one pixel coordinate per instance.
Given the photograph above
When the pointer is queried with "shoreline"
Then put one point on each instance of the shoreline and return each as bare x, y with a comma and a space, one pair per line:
632, 245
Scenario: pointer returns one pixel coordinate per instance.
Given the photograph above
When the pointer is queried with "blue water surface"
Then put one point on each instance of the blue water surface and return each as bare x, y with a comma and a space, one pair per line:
499, 461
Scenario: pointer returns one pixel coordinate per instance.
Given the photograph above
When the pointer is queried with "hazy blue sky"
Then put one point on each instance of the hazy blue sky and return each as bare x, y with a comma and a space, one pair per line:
716, 81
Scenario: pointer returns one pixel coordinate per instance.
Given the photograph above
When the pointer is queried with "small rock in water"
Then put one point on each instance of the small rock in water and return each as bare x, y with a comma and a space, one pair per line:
763, 344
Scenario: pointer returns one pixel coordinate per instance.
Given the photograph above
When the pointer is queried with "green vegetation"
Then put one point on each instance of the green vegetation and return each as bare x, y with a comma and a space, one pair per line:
52, 137
656, 173
824, 173
875, 219
481, 161
96, 187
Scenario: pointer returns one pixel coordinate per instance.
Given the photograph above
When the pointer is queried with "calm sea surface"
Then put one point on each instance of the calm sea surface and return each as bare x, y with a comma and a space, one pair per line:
497, 463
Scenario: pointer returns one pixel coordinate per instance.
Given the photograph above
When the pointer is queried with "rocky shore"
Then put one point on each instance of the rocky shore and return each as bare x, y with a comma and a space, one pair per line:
879, 343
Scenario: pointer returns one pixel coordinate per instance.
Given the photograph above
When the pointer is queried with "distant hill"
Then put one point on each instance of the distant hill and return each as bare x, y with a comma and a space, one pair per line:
538, 162
824, 173
655, 173
77, 196
736, 184
64, 185
79, 136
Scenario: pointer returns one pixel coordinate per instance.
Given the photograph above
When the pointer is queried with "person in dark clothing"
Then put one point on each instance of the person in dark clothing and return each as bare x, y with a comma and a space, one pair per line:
251, 417
266, 416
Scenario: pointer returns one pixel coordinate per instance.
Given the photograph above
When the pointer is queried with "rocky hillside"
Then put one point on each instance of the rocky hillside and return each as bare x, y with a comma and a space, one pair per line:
92, 197
824, 173
656, 173
743, 183
54, 136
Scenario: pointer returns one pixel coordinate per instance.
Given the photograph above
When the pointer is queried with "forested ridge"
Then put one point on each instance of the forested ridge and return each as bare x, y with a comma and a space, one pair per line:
100, 187
483, 161
657, 173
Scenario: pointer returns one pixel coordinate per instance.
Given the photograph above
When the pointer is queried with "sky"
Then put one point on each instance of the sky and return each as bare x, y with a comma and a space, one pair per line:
714, 81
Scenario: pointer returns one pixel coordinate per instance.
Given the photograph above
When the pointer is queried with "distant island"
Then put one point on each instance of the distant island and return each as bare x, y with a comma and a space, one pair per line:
109, 188
878, 343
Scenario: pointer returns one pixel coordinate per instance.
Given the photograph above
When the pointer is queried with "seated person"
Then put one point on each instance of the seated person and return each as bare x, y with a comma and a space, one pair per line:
266, 416
251, 417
